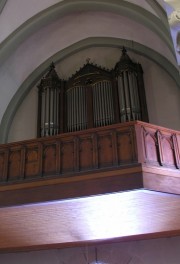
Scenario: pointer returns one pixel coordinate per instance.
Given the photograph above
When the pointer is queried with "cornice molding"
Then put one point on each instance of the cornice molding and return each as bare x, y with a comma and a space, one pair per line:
66, 7
35, 76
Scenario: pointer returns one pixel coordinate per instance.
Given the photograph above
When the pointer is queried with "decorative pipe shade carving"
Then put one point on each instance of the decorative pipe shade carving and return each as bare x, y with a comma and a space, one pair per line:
92, 97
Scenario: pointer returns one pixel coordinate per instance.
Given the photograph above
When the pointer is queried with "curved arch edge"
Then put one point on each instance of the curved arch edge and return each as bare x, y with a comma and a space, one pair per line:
63, 8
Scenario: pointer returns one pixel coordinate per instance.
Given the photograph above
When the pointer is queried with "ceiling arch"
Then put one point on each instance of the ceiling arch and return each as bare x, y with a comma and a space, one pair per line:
63, 8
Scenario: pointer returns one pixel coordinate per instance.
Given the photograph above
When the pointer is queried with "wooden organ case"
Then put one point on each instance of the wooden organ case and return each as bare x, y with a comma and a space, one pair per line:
92, 97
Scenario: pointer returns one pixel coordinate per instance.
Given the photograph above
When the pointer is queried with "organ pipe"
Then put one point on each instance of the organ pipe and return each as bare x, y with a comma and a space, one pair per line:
76, 109
103, 111
93, 97
131, 94
48, 112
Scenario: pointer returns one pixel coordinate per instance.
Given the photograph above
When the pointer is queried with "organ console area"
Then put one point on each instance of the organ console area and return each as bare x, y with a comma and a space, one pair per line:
92, 97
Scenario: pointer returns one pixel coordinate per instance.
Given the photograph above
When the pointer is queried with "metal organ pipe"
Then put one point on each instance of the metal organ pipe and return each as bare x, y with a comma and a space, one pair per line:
42, 114
112, 114
100, 105
124, 82
103, 110
103, 103
54, 111
73, 113
80, 109
95, 109
57, 102
76, 109
45, 113
122, 98
132, 95
126, 89
69, 111
136, 96
108, 101
130, 92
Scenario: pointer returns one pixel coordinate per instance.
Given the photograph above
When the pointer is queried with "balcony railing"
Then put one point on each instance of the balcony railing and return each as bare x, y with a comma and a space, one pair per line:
90, 150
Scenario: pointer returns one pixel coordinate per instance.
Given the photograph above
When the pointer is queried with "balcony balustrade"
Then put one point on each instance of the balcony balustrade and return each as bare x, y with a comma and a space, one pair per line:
118, 157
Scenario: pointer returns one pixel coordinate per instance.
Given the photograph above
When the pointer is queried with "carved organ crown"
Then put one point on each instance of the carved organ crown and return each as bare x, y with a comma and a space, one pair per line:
92, 97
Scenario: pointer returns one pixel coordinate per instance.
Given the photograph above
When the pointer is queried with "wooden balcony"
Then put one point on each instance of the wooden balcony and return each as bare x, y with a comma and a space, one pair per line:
114, 158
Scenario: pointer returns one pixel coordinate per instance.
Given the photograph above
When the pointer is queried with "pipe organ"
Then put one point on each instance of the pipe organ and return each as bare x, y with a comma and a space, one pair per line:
103, 112
76, 108
49, 104
92, 97
128, 92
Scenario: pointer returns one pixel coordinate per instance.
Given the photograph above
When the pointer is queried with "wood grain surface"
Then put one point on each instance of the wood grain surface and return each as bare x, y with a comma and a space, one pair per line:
113, 217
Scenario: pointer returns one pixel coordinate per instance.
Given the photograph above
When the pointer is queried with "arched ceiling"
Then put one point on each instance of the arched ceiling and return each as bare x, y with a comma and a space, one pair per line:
172, 8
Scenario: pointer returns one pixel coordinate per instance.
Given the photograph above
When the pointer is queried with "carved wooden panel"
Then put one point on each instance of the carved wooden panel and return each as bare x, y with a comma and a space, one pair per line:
103, 147
176, 143
14, 165
168, 157
49, 159
105, 151
67, 156
85, 154
124, 146
32, 163
2, 166
151, 151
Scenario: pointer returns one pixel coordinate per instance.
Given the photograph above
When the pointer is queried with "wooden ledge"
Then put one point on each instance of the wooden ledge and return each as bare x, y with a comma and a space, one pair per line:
73, 222
161, 180
125, 178
98, 182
